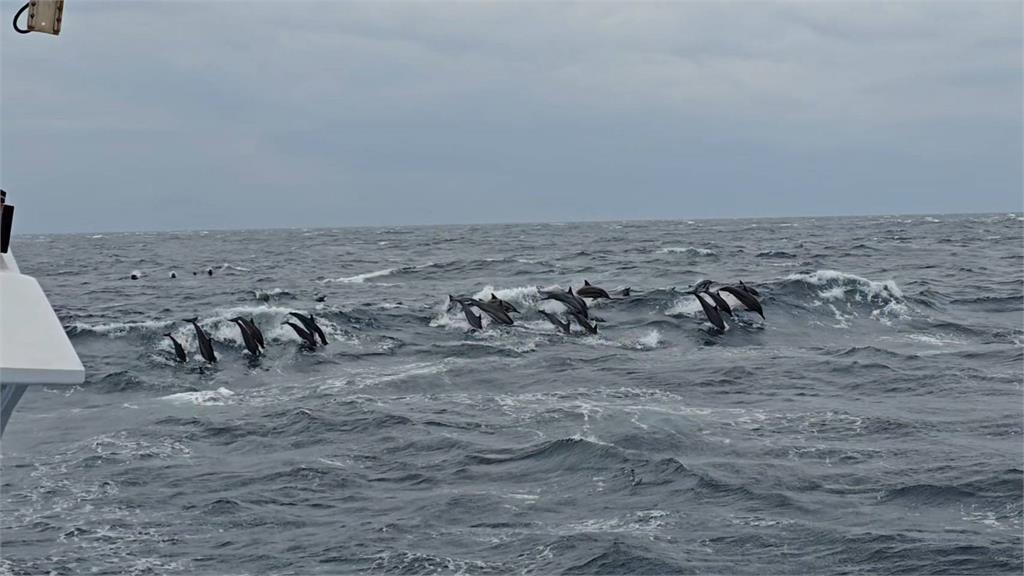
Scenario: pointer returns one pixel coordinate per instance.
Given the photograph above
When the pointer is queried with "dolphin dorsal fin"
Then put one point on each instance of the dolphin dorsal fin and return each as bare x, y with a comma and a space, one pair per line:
570, 289
493, 297
585, 283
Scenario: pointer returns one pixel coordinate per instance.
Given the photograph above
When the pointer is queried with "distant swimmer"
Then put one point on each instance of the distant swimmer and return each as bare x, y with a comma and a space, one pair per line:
562, 325
135, 275
173, 274
309, 340
179, 352
205, 345
593, 292
247, 337
209, 271
309, 322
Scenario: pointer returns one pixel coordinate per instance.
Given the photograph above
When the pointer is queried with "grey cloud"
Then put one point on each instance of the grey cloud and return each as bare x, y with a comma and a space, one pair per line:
201, 115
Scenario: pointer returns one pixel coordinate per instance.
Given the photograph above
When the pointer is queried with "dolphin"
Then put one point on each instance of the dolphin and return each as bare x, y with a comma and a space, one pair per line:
749, 290
205, 345
581, 302
713, 316
308, 339
702, 286
247, 337
505, 305
720, 302
494, 310
582, 321
459, 300
564, 326
256, 333
473, 319
590, 291
179, 352
749, 302
570, 300
309, 322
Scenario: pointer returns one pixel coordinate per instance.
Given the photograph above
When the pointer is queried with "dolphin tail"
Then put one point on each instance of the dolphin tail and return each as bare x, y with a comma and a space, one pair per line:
168, 334
191, 320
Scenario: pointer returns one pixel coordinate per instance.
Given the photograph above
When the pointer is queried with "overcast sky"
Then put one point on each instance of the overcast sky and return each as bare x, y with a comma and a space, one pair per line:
231, 114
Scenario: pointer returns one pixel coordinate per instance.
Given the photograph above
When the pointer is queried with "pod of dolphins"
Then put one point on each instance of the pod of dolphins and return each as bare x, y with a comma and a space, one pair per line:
310, 332
575, 309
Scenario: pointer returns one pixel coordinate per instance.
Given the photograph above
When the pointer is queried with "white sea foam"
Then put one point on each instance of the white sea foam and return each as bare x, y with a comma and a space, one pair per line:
934, 339
685, 306
841, 290
363, 378
217, 397
524, 295
117, 328
851, 283
360, 278
686, 250
648, 341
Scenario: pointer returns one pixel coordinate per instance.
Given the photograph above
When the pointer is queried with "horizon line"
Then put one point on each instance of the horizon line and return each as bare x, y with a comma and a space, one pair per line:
15, 233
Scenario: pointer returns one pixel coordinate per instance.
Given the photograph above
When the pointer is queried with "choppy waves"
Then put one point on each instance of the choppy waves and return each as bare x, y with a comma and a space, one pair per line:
871, 423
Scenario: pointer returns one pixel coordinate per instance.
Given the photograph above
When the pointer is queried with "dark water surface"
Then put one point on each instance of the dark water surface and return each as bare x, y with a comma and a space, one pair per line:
871, 425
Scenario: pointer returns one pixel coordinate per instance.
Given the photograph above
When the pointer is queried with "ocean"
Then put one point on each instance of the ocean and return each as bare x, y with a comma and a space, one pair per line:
870, 424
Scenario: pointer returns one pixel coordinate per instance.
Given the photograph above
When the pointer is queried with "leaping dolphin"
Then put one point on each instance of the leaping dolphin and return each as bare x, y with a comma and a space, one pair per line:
205, 345
247, 337
590, 291
505, 304
746, 298
749, 290
582, 321
309, 322
466, 304
256, 333
720, 302
179, 352
571, 301
563, 326
710, 311
495, 311
308, 339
